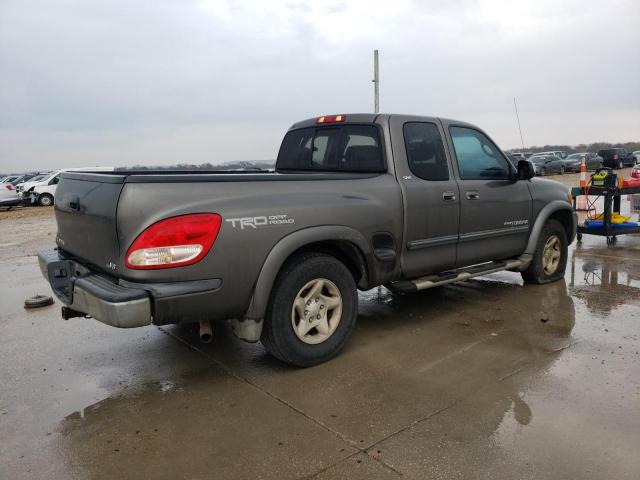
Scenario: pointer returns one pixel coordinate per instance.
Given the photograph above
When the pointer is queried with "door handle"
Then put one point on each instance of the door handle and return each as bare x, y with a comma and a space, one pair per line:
448, 196
473, 195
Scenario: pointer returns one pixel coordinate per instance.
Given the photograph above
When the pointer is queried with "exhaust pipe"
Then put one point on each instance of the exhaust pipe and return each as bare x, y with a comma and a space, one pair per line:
205, 331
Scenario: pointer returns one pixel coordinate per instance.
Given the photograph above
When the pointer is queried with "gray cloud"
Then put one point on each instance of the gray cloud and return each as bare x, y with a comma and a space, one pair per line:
166, 81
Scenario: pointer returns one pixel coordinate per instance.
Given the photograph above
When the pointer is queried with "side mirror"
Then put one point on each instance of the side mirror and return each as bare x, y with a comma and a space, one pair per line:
525, 170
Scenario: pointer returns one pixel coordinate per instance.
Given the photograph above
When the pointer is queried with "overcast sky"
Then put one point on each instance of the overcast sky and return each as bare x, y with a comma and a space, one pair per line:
112, 82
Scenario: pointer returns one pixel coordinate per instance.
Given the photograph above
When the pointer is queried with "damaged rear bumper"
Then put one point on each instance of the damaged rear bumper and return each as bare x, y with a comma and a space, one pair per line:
120, 303
94, 295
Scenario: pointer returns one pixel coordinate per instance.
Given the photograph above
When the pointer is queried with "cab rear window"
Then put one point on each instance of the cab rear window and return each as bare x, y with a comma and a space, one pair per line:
344, 148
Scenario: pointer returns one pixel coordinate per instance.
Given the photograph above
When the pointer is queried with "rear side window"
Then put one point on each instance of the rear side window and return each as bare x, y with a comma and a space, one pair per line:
425, 151
608, 153
478, 158
346, 148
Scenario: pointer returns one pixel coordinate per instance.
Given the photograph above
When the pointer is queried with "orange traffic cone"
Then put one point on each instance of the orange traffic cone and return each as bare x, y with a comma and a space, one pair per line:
582, 202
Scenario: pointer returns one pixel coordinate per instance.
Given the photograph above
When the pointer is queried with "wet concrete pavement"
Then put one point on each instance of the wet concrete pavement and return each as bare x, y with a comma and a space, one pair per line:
482, 379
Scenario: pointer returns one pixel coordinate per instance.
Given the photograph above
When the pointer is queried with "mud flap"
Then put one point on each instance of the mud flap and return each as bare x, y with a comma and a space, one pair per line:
247, 329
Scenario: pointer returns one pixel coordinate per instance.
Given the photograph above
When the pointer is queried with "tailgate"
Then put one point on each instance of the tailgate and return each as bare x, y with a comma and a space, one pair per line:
85, 205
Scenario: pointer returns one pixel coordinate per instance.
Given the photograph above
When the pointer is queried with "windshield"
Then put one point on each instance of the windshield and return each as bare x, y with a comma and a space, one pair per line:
537, 159
575, 156
37, 178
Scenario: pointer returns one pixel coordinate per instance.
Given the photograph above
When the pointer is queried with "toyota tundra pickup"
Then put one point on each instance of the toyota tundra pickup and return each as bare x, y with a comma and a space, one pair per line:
355, 201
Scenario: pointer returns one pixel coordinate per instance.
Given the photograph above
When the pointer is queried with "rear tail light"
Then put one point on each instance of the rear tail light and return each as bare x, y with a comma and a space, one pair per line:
10, 187
331, 119
174, 242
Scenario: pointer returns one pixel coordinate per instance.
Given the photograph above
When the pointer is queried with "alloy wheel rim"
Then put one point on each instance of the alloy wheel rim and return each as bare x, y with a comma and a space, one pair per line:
316, 311
551, 255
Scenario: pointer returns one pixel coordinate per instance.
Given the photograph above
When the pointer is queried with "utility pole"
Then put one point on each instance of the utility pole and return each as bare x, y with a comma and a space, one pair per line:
376, 83
519, 128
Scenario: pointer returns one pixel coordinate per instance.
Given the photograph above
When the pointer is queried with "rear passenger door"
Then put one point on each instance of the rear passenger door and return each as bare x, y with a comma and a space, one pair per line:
430, 192
495, 209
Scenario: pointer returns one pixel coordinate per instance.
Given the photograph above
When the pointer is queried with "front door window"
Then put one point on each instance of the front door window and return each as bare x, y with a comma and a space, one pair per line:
478, 158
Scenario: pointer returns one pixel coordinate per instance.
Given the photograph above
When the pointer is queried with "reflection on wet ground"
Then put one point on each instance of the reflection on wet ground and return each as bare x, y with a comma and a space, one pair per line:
486, 378
606, 282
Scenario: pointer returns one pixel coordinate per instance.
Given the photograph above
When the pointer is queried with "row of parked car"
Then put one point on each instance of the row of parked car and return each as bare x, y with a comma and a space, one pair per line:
39, 188
34, 188
546, 163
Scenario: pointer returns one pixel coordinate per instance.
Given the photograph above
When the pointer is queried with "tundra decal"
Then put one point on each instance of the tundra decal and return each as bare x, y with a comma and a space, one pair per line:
255, 222
515, 223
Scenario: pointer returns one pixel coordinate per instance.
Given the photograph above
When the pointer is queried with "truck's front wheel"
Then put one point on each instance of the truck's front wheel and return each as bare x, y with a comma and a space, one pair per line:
550, 258
312, 310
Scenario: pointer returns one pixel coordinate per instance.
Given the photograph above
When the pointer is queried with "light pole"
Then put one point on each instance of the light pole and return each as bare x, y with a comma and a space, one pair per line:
376, 83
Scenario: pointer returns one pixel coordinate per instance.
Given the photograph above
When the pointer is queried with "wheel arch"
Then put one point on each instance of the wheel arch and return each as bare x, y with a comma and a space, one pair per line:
344, 243
556, 210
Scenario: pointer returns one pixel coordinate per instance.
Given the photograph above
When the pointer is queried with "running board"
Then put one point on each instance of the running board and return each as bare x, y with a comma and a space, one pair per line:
458, 275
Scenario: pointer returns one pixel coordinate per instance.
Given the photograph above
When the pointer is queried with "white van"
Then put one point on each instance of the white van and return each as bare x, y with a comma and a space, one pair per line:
41, 190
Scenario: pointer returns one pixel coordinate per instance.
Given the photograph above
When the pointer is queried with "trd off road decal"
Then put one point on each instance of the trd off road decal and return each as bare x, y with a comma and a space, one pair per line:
255, 222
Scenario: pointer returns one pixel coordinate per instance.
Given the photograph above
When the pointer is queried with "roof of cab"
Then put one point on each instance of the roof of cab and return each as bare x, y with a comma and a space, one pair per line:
349, 118
376, 118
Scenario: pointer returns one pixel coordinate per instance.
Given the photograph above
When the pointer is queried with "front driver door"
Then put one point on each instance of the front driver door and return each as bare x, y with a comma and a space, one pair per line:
495, 209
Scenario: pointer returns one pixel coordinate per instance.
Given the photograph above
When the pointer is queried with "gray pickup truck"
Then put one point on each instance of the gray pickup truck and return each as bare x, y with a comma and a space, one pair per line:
355, 201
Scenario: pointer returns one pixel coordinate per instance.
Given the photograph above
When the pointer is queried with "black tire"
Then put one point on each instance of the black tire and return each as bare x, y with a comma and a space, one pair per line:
536, 272
38, 301
278, 335
45, 200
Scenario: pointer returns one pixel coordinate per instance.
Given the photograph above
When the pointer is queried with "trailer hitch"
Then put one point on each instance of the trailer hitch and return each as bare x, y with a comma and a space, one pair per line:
68, 313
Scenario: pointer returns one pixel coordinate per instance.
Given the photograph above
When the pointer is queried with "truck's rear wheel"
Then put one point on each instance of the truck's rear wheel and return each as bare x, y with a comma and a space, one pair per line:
550, 258
312, 310
45, 200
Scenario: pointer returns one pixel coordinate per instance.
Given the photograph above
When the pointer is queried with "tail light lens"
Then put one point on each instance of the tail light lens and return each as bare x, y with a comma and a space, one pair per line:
174, 242
10, 187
